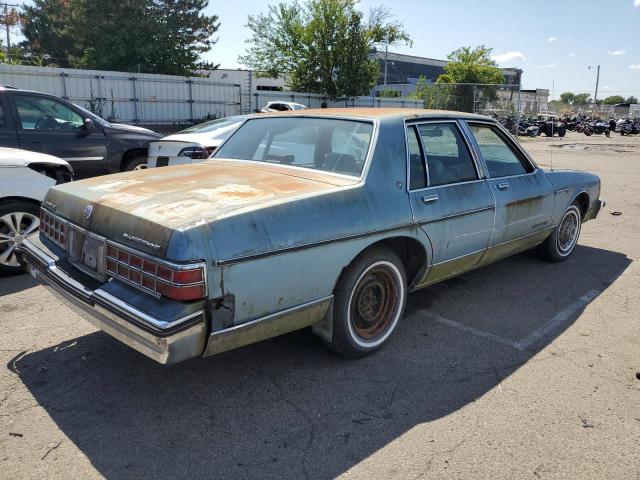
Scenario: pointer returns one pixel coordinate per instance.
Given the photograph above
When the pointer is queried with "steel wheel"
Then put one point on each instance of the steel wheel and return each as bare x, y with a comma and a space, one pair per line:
375, 304
568, 232
14, 228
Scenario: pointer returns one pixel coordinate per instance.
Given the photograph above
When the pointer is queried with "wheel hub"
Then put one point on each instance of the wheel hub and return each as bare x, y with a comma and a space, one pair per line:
14, 228
374, 303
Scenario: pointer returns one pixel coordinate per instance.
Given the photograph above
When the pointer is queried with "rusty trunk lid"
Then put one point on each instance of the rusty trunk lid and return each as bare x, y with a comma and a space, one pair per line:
144, 208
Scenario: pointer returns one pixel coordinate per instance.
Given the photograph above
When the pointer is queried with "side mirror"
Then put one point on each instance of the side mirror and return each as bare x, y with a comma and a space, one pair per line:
88, 125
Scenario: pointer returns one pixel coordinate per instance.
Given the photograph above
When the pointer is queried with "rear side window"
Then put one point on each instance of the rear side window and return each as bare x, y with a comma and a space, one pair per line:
417, 172
499, 157
448, 158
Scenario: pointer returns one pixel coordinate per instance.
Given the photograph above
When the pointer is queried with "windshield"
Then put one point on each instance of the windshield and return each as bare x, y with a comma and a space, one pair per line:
331, 145
91, 115
214, 124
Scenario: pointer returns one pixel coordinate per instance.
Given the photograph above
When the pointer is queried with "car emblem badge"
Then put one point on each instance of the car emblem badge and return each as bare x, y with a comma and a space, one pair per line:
88, 210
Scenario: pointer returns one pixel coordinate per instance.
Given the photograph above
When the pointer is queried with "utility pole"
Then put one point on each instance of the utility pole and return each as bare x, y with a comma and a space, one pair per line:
386, 52
595, 96
7, 23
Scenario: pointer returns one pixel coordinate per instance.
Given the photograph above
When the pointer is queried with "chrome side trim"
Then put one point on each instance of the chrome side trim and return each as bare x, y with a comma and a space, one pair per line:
82, 159
459, 257
289, 320
460, 214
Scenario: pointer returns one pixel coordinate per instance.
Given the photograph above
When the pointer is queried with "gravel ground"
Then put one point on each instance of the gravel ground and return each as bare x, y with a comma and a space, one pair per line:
522, 369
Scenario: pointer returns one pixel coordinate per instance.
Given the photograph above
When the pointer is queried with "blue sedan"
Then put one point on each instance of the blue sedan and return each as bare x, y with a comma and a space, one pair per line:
317, 218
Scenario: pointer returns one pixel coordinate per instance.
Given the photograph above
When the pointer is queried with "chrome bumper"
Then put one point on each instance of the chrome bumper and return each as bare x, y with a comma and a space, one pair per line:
164, 342
595, 209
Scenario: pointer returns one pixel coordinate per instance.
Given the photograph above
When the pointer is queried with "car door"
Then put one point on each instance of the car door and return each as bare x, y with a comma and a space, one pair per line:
449, 198
48, 125
524, 196
8, 134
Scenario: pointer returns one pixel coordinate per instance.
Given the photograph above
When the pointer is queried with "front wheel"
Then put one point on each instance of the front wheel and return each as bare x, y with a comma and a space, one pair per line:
560, 244
369, 300
139, 162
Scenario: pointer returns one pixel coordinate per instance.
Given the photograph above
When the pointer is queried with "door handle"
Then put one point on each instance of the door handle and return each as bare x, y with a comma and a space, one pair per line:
503, 186
430, 198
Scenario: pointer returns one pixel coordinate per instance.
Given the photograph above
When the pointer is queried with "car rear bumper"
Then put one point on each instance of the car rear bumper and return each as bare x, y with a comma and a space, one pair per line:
164, 342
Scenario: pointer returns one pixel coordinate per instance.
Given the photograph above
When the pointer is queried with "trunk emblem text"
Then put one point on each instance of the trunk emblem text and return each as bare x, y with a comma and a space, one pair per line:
141, 241
88, 210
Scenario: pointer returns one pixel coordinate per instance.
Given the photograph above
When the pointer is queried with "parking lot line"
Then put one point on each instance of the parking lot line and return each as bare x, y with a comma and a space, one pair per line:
554, 322
475, 331
558, 319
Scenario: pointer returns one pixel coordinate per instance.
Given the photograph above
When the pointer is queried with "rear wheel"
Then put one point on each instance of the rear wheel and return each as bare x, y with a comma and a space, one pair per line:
18, 220
369, 300
560, 244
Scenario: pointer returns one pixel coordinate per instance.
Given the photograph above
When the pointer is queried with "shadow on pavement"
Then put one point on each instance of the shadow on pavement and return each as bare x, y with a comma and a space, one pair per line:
15, 284
287, 408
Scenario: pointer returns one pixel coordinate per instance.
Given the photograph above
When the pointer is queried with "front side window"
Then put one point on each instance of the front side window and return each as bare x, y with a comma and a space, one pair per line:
331, 145
448, 158
42, 113
500, 159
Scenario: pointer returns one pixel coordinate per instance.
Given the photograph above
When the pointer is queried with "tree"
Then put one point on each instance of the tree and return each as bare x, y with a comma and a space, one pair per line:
613, 99
438, 96
321, 46
568, 97
471, 66
54, 31
154, 36
581, 99
631, 99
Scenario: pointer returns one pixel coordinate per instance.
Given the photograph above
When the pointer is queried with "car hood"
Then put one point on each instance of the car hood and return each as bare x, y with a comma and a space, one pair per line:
133, 129
150, 205
14, 157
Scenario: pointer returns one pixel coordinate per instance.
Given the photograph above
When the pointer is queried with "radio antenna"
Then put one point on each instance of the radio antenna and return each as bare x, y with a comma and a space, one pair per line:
553, 92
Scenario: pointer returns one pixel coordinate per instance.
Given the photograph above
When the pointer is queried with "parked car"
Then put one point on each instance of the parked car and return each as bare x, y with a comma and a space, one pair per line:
25, 177
324, 218
193, 144
44, 123
283, 106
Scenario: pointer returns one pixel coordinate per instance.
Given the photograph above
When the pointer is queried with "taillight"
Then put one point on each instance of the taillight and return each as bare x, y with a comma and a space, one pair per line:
197, 153
54, 229
179, 282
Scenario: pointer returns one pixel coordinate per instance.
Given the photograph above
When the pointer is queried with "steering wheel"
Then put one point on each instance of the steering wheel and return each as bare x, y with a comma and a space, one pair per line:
45, 123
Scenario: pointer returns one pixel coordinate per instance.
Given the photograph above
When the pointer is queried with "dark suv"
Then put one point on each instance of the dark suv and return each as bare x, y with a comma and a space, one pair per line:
48, 124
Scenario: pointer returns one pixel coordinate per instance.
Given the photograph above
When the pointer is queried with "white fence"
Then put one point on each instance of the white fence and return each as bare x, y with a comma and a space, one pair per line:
151, 99
131, 98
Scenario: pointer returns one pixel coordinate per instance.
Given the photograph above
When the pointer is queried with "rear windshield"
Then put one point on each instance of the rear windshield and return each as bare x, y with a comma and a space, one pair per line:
213, 125
331, 145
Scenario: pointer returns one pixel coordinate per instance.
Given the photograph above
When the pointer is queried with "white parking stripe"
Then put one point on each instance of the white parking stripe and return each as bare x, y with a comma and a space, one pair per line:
474, 331
558, 319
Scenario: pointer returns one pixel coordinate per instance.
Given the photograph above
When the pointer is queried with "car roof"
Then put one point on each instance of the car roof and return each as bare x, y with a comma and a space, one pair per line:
378, 113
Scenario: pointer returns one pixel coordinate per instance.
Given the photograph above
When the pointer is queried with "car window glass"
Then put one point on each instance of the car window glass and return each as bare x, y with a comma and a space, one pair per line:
332, 145
42, 113
417, 172
500, 159
448, 158
2, 121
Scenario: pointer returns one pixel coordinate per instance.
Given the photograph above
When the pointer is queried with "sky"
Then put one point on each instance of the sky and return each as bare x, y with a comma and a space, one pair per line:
552, 41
